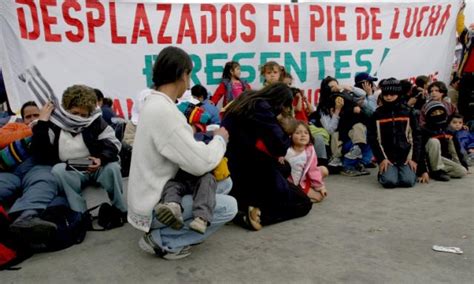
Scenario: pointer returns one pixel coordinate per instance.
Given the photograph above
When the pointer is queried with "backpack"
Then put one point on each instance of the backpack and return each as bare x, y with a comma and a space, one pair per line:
72, 225
109, 217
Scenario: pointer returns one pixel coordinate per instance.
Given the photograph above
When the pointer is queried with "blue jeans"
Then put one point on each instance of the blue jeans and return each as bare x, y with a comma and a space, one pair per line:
174, 240
35, 185
397, 176
108, 176
366, 156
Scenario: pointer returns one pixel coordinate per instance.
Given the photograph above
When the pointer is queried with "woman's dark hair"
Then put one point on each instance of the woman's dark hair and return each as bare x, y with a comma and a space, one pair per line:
277, 95
305, 125
170, 65
228, 67
441, 86
25, 105
325, 94
199, 91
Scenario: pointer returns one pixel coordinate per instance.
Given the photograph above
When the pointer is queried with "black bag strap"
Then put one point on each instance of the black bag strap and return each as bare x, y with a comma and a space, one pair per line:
94, 219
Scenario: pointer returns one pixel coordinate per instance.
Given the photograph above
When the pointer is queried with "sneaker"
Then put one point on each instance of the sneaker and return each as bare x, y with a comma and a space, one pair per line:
147, 244
199, 225
335, 162
170, 215
440, 175
354, 153
362, 170
351, 173
33, 229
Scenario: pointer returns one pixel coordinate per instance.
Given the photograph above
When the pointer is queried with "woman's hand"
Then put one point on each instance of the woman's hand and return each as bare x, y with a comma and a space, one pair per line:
223, 133
45, 112
281, 160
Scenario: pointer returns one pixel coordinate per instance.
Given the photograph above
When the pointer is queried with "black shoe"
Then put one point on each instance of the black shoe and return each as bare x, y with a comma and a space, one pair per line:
440, 175
371, 165
33, 230
362, 170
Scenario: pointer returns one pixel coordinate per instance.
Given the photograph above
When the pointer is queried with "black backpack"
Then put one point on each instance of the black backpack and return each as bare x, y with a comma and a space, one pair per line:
109, 217
72, 225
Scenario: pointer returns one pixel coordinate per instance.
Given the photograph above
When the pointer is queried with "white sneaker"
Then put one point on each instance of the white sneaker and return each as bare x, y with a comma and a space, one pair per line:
354, 153
199, 225
170, 215
335, 162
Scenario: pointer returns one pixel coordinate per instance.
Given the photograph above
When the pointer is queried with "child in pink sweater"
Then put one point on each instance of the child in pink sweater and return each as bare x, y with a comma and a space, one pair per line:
302, 158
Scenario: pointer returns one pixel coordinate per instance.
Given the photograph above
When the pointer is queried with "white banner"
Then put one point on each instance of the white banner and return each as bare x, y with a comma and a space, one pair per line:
111, 45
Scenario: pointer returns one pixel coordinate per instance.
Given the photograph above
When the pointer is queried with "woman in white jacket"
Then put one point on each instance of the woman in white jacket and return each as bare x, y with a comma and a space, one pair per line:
164, 143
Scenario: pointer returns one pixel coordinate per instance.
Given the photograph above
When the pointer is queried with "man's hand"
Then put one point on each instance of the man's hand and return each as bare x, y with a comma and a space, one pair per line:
412, 164
45, 112
367, 88
424, 178
383, 166
96, 163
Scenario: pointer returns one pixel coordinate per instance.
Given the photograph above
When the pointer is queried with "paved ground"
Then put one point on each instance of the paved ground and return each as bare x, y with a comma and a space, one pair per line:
360, 234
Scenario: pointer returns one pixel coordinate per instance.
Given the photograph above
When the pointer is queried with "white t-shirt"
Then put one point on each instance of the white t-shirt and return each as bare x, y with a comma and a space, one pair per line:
297, 162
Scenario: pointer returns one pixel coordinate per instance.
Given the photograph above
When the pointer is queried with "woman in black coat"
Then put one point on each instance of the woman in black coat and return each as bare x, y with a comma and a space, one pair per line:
256, 140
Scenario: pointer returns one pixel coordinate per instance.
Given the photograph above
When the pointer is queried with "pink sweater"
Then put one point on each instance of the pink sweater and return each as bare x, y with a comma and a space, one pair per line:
311, 177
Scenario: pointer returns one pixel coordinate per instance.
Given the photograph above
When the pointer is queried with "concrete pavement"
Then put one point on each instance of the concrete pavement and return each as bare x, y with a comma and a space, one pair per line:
360, 234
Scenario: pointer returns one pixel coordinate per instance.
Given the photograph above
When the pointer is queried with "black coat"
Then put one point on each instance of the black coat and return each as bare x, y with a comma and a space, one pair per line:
256, 176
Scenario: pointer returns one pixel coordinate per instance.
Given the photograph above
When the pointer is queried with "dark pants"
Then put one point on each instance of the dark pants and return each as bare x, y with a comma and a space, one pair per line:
202, 188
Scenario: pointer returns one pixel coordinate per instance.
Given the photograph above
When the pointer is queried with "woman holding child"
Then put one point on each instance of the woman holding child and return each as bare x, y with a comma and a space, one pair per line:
163, 144
256, 141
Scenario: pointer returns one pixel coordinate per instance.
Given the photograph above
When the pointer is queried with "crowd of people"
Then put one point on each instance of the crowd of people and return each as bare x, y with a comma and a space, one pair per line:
259, 159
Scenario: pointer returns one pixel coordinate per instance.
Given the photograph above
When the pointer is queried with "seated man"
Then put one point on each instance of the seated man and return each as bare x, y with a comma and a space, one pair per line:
79, 132
33, 185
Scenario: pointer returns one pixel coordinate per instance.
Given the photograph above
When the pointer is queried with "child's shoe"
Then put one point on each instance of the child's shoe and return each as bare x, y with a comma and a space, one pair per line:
354, 153
170, 215
198, 225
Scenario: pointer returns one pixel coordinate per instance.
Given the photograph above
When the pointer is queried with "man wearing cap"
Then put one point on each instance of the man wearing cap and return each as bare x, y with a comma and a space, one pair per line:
366, 82
395, 139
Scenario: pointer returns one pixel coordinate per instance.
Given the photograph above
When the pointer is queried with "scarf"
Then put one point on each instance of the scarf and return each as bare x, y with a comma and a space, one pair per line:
43, 93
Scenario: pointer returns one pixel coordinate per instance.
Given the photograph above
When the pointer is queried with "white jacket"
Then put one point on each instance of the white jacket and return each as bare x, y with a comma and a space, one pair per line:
164, 143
